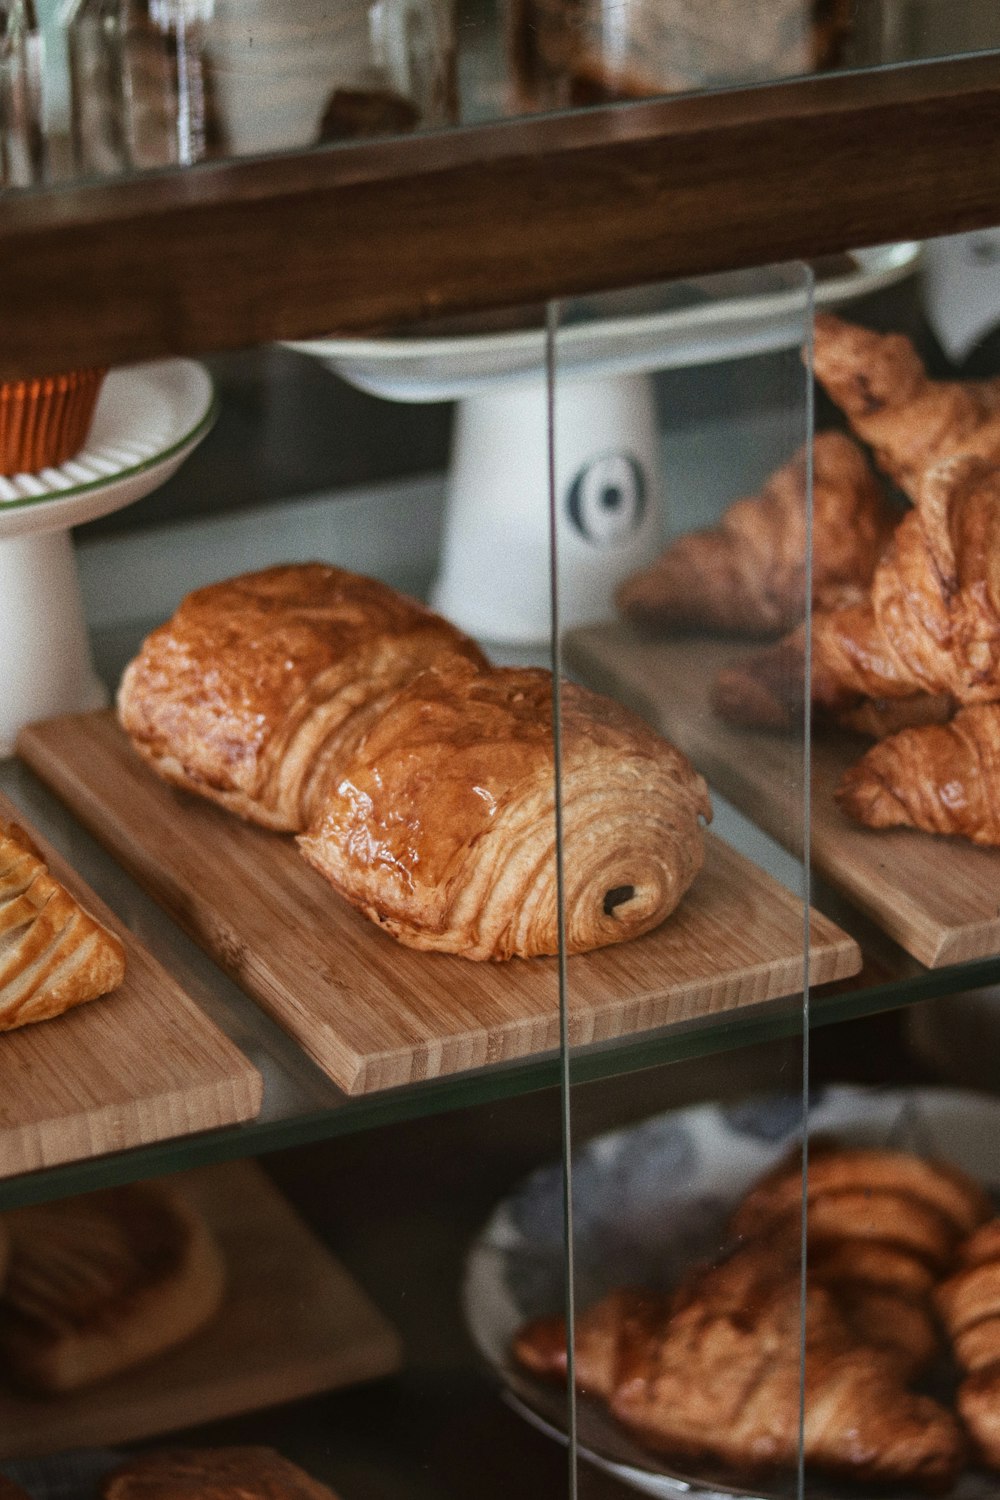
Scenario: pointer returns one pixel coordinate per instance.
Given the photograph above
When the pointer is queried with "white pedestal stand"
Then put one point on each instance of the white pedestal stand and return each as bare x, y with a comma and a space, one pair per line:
148, 420
494, 576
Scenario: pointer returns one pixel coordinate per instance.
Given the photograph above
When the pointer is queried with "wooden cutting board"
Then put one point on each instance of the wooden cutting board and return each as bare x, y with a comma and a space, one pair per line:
939, 898
142, 1064
293, 1323
374, 1013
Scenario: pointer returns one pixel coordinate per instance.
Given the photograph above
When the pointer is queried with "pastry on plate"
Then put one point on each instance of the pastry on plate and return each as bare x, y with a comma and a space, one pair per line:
712, 1374
747, 574
441, 827
969, 1307
254, 691
213, 1474
103, 1282
53, 954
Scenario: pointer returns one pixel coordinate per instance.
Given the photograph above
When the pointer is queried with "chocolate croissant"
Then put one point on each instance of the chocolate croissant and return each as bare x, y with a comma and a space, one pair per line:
942, 778
747, 575
53, 954
910, 422
441, 828
258, 686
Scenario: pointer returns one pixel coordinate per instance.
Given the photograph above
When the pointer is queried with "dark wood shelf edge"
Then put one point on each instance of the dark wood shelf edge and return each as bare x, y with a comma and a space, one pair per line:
371, 237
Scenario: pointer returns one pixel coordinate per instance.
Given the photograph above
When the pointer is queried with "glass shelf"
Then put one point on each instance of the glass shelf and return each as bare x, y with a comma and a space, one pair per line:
301, 1105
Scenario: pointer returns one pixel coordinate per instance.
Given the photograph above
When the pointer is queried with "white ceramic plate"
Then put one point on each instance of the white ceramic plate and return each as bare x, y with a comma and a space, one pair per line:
148, 419
681, 324
649, 1202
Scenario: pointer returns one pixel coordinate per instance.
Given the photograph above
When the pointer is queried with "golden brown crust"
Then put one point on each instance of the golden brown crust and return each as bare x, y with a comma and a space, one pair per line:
100, 1283
911, 423
713, 1374
954, 1197
54, 955
244, 1473
942, 778
747, 575
256, 687
442, 827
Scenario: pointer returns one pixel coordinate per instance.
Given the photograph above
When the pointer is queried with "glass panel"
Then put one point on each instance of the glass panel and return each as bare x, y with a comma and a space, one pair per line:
911, 1097
131, 85
684, 530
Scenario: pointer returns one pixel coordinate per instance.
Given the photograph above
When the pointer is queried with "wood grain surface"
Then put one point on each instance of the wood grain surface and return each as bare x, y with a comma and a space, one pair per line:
293, 1323
937, 897
371, 236
139, 1065
373, 1013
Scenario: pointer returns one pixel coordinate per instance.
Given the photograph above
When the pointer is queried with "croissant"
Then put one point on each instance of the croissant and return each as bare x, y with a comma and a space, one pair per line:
958, 1204
714, 1373
53, 954
747, 575
942, 778
969, 1307
910, 422
253, 693
442, 826
926, 637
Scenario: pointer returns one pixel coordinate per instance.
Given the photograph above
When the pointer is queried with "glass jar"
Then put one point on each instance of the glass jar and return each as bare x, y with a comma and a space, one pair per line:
169, 82
22, 138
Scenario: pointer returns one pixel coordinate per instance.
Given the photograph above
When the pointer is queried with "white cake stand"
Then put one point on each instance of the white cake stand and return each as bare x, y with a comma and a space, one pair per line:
148, 419
493, 578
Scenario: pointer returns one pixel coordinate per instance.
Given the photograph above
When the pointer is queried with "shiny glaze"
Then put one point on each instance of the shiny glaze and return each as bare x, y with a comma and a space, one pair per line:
442, 827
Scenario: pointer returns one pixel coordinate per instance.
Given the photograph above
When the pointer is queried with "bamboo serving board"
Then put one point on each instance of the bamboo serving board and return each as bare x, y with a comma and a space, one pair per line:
373, 1013
139, 1065
293, 1323
939, 898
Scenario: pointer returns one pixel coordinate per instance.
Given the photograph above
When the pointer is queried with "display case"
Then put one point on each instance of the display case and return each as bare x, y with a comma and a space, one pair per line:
553, 1040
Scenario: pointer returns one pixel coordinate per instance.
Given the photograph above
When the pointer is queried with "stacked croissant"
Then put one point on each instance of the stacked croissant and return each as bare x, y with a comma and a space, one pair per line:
419, 779
905, 642
710, 1373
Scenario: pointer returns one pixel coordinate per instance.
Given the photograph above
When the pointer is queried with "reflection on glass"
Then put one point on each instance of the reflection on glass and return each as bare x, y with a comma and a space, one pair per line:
21, 139
169, 82
572, 52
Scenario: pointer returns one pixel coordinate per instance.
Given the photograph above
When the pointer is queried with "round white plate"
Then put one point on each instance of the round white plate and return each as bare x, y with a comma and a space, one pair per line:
649, 1202
678, 325
148, 419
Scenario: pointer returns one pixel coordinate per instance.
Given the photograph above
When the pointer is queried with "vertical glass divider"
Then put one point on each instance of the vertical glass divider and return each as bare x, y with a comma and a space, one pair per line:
806, 865
551, 326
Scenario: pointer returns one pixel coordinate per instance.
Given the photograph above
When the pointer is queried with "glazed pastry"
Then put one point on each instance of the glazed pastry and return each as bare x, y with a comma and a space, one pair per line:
747, 575
100, 1283
942, 778
442, 827
911, 423
714, 1375
254, 692
53, 954
213, 1474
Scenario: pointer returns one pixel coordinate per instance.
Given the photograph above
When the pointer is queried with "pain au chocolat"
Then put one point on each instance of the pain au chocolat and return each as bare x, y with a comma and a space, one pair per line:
258, 685
53, 954
442, 826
